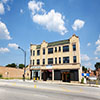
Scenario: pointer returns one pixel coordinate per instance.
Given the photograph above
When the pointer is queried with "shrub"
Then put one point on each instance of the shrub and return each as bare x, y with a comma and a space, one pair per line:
82, 80
0, 75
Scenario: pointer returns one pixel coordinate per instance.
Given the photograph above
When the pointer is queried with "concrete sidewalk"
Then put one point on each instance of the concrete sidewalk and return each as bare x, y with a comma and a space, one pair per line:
55, 82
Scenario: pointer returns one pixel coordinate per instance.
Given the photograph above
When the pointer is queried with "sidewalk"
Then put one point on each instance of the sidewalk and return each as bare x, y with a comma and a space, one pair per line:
55, 82
64, 83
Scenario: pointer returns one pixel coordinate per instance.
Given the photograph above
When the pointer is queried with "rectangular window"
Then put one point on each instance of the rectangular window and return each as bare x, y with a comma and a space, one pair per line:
50, 60
65, 59
74, 59
59, 60
30, 62
59, 49
33, 62
50, 50
43, 51
43, 61
55, 60
74, 47
38, 62
38, 52
33, 53
65, 48
55, 49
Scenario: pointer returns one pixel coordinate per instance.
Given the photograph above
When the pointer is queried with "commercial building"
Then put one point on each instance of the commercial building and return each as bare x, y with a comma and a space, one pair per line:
58, 60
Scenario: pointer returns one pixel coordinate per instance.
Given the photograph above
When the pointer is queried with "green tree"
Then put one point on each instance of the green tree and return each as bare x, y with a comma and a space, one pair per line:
21, 66
13, 65
97, 65
84, 69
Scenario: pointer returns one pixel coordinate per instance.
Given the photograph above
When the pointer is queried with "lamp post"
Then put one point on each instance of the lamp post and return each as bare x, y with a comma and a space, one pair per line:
24, 61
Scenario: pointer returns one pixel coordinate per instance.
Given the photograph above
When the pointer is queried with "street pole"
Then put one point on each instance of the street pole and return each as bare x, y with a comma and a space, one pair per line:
24, 61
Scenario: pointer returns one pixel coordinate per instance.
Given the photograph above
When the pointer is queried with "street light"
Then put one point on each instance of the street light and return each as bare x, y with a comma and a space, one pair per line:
24, 60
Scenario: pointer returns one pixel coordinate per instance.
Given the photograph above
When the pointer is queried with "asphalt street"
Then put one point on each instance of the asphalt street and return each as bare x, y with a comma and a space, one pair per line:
19, 90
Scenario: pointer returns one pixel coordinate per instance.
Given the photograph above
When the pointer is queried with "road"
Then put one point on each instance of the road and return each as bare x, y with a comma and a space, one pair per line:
18, 90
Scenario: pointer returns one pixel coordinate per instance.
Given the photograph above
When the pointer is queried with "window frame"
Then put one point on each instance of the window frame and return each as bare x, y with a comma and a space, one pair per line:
49, 51
51, 61
66, 48
67, 60
38, 60
38, 52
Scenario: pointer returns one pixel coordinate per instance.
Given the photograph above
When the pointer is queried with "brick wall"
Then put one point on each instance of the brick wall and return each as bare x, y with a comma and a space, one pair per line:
8, 72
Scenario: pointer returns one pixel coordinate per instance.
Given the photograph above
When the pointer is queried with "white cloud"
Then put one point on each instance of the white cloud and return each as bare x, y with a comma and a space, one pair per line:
5, 1
52, 21
97, 51
85, 57
4, 50
2, 10
35, 6
88, 64
8, 7
4, 33
88, 44
13, 45
78, 24
21, 11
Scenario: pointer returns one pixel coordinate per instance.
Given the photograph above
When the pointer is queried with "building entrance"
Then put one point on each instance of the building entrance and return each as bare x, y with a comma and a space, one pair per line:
47, 75
66, 77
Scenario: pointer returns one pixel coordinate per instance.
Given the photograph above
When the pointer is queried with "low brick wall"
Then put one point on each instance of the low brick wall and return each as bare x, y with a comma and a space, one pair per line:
8, 72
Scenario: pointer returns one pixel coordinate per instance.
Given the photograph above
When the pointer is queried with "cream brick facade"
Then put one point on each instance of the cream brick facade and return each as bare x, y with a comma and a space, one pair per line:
62, 66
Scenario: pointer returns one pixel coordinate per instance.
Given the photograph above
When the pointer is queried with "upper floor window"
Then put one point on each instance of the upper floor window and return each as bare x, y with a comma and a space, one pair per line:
33, 62
59, 49
65, 48
33, 53
43, 51
65, 59
55, 49
38, 61
50, 60
43, 61
74, 59
50, 50
55, 60
38, 52
30, 62
59, 60
74, 47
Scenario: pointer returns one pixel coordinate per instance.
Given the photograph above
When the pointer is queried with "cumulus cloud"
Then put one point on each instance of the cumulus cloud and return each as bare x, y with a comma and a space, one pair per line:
85, 57
4, 33
5, 1
4, 50
35, 6
13, 45
78, 24
52, 21
2, 10
88, 64
21, 11
97, 51
88, 44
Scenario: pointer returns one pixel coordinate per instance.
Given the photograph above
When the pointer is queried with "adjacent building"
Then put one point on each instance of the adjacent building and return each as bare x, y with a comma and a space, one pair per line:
59, 60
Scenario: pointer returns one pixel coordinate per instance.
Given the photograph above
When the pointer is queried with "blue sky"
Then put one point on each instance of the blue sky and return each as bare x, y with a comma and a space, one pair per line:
23, 22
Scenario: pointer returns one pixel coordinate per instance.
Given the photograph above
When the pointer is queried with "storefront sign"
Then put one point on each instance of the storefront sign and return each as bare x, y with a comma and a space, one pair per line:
49, 67
35, 67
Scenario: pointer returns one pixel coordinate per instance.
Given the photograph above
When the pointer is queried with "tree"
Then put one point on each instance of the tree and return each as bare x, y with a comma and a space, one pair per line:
84, 69
13, 65
97, 65
21, 66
